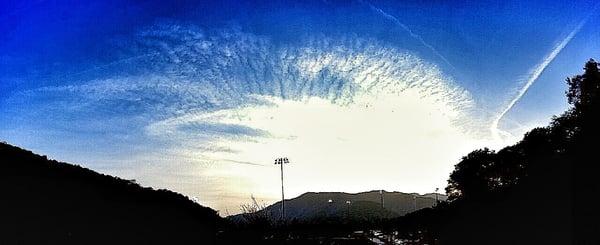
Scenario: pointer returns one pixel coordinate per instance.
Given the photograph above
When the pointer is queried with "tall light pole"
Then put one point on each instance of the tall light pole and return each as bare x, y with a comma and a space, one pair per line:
381, 198
436, 196
348, 202
415, 202
281, 161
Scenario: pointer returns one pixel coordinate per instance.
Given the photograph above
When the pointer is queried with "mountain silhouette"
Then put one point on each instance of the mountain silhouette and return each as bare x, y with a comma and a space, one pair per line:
362, 206
43, 201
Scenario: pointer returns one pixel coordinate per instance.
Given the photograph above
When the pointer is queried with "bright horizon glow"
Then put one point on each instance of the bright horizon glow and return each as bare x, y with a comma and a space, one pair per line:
199, 98
320, 139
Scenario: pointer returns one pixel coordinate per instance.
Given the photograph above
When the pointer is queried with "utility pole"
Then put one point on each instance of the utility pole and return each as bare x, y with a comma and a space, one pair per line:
415, 202
281, 161
381, 197
436, 196
348, 202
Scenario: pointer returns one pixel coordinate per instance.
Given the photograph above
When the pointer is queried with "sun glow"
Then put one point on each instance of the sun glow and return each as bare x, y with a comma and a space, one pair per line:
401, 142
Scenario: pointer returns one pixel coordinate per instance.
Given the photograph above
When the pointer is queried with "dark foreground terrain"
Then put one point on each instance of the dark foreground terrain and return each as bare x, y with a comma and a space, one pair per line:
48, 202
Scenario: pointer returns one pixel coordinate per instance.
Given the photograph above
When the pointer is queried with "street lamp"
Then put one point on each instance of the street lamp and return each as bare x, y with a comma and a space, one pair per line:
381, 198
281, 161
348, 202
415, 202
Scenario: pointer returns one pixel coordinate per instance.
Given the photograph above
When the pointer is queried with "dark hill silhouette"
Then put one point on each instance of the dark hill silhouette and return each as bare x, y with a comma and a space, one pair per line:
43, 201
363, 206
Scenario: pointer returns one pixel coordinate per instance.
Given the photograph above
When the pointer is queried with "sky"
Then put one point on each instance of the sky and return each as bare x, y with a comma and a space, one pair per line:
200, 97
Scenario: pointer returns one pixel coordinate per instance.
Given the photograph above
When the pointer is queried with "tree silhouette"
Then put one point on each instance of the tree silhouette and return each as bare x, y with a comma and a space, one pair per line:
471, 175
483, 171
541, 190
584, 95
584, 89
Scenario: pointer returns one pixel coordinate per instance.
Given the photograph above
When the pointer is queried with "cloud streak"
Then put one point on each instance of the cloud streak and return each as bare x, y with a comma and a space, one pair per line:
536, 72
408, 30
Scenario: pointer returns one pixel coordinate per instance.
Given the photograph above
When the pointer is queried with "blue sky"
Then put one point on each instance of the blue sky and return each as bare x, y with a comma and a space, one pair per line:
199, 97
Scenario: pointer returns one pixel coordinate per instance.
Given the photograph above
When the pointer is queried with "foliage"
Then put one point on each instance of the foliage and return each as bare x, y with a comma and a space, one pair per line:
584, 89
541, 190
255, 214
484, 172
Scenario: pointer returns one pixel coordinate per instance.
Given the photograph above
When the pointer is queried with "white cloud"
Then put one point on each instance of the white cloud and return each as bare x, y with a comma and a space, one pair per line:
351, 114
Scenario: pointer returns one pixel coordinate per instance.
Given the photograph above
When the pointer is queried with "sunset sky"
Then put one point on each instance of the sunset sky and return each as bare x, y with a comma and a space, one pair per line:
200, 97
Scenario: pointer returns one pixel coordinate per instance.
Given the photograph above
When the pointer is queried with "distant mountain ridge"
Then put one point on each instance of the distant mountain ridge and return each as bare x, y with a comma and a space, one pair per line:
48, 202
362, 206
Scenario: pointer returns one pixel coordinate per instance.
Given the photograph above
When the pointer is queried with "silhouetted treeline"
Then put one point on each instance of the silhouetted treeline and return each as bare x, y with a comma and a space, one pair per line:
48, 202
542, 190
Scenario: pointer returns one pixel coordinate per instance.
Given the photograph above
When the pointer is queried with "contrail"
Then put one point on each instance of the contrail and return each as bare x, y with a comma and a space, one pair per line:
537, 71
230, 161
244, 162
204, 157
410, 32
